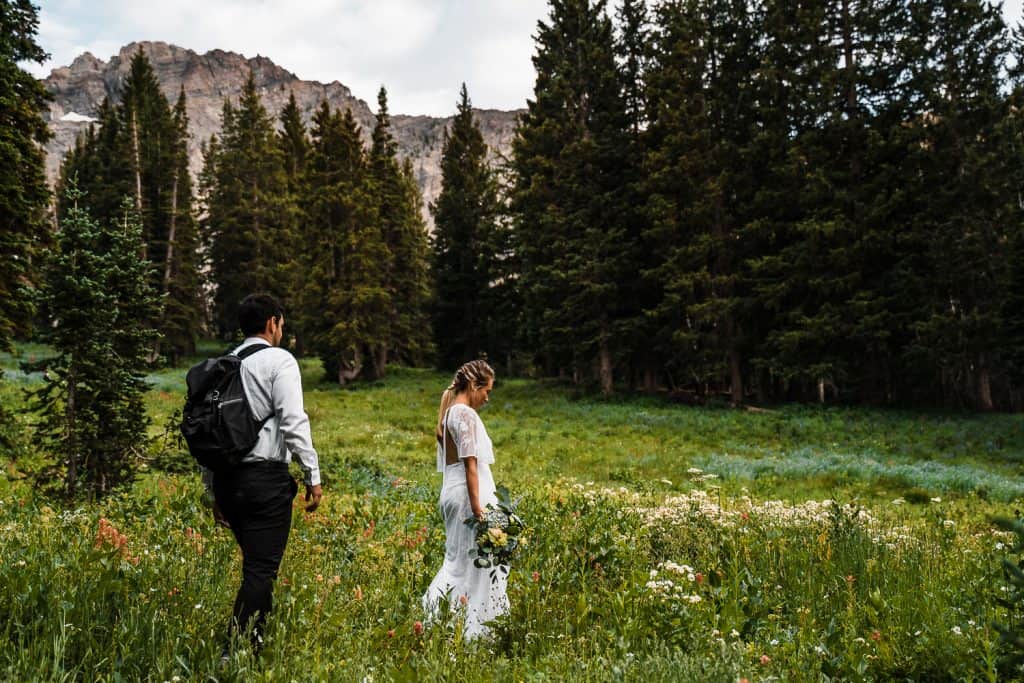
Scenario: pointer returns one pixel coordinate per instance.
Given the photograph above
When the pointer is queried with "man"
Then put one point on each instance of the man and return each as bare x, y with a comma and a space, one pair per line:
254, 499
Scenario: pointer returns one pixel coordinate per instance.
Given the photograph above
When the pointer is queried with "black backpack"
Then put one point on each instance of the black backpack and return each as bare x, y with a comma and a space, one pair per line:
217, 422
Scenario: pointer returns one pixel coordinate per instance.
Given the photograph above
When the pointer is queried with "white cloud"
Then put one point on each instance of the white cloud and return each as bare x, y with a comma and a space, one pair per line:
422, 50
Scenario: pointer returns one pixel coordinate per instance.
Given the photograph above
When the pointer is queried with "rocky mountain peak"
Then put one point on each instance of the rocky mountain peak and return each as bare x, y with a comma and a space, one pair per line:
209, 78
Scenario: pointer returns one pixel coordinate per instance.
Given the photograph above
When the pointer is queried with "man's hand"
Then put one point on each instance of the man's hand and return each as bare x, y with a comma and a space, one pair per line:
313, 496
219, 517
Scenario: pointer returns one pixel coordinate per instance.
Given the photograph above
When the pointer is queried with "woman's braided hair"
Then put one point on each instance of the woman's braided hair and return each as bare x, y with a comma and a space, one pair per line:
472, 375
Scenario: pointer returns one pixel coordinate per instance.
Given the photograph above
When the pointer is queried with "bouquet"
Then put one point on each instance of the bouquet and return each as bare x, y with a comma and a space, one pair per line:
500, 535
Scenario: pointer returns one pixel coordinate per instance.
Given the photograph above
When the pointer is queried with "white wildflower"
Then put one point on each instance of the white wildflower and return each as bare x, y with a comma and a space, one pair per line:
956, 630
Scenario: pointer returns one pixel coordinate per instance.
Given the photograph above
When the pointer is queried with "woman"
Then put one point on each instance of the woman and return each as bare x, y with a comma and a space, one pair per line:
465, 455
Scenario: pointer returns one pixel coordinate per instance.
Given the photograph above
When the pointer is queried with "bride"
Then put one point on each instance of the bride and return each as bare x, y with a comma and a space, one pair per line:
465, 455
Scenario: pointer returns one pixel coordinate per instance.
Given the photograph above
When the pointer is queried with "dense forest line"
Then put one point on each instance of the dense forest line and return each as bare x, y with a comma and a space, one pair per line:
754, 199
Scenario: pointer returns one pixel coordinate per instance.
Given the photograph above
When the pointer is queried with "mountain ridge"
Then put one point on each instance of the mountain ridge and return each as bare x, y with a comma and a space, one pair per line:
80, 87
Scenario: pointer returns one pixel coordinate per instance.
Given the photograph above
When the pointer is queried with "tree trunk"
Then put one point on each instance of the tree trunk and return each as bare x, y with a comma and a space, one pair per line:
736, 377
348, 371
380, 361
71, 480
171, 234
606, 374
138, 179
984, 385
650, 379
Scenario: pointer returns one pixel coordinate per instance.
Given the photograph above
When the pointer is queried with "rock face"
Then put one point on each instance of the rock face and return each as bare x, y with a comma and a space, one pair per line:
210, 78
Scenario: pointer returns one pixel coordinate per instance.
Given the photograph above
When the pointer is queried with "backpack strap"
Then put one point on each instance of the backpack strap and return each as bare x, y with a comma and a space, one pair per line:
250, 350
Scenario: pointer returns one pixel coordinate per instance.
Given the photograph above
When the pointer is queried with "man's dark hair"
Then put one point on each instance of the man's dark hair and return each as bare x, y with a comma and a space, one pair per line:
254, 312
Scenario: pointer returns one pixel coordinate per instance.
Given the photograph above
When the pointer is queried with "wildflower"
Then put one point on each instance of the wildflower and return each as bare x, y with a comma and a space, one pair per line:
734, 633
358, 593
319, 578
535, 576
693, 599
956, 630
948, 523
876, 636
774, 642
765, 659
694, 470
899, 501
1000, 545
335, 580
463, 600
936, 499
744, 680
850, 578
417, 627
391, 633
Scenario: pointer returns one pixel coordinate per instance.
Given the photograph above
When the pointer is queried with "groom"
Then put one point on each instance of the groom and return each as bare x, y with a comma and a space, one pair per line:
254, 499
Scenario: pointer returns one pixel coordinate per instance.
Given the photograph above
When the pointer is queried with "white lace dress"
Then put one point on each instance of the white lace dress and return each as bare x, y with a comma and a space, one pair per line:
485, 595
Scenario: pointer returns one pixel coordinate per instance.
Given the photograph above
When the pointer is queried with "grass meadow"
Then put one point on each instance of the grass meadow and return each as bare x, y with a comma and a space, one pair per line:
667, 543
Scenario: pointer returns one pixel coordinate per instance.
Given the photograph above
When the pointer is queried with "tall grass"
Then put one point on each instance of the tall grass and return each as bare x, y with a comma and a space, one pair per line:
657, 572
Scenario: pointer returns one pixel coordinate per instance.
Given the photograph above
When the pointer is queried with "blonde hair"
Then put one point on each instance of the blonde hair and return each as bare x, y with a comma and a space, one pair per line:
472, 375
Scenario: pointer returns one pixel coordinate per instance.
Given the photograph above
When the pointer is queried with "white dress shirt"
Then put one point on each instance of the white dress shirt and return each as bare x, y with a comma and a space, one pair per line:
273, 386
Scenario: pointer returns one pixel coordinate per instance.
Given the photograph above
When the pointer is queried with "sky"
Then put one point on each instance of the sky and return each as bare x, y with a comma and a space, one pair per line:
421, 50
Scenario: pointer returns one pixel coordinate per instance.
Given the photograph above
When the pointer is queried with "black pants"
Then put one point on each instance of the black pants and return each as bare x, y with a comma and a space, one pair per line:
256, 499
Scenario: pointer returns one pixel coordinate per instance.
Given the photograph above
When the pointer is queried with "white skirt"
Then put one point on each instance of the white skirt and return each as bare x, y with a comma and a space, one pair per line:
478, 594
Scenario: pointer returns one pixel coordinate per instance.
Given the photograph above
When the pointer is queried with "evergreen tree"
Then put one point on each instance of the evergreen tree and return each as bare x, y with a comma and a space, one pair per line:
23, 191
465, 255
701, 187
634, 52
343, 304
570, 152
140, 151
293, 141
248, 219
98, 296
181, 282
959, 168
405, 266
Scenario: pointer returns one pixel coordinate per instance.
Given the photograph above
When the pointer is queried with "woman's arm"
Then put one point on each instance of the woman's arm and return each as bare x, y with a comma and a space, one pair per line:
473, 486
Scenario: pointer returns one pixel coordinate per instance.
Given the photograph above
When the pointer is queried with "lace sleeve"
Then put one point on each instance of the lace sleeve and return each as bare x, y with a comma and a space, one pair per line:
462, 425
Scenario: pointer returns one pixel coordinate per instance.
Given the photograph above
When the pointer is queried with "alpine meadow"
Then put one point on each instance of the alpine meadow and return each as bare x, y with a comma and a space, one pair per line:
748, 278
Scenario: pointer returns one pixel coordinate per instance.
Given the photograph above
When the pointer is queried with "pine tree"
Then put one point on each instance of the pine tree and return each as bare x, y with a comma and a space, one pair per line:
634, 52
23, 191
465, 256
249, 221
140, 151
959, 165
181, 280
405, 266
98, 297
293, 141
343, 305
570, 151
